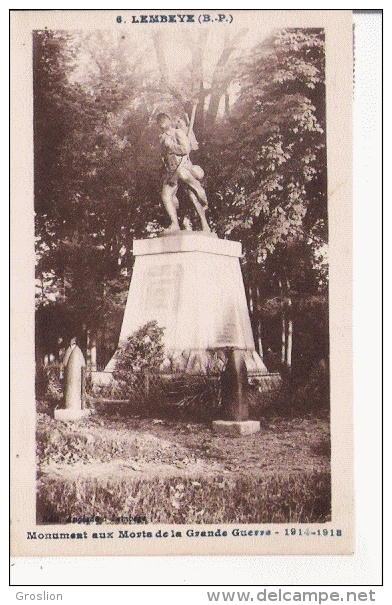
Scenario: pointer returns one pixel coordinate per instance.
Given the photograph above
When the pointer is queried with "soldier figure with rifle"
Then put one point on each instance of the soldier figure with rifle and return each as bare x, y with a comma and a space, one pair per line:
177, 141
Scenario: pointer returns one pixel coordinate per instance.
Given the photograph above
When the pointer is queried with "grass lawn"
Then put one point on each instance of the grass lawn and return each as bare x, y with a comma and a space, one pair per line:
114, 465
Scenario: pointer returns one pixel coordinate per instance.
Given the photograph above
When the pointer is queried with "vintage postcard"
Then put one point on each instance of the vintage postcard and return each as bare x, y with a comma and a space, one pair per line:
181, 215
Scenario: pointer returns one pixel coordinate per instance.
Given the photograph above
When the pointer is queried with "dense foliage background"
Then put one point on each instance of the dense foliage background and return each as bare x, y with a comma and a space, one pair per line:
260, 123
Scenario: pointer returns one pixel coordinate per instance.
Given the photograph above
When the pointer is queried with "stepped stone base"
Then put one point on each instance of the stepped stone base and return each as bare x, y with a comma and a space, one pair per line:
203, 361
70, 414
232, 428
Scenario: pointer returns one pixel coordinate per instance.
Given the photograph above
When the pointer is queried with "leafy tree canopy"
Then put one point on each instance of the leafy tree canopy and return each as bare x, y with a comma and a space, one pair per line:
260, 121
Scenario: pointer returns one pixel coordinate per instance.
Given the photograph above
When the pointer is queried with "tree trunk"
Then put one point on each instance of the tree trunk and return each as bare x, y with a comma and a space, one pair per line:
289, 344
251, 305
198, 47
42, 288
88, 350
283, 355
93, 355
220, 79
283, 350
290, 330
259, 341
259, 326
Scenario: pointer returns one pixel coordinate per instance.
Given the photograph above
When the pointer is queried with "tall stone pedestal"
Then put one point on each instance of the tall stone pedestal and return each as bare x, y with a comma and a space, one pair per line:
191, 284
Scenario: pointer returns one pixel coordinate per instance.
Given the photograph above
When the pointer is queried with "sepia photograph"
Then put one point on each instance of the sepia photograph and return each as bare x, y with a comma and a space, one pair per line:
191, 251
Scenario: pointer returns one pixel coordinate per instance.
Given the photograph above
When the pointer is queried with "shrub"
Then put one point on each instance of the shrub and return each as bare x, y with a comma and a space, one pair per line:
301, 396
143, 351
186, 395
316, 388
48, 385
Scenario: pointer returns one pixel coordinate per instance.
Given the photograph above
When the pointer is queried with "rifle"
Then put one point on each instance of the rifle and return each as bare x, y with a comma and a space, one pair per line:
191, 134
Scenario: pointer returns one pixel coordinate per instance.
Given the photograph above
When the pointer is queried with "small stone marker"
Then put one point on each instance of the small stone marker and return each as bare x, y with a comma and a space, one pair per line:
234, 398
73, 388
232, 428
